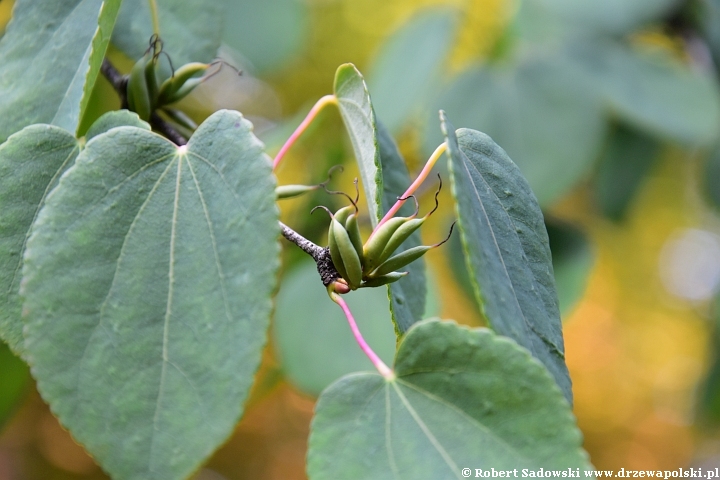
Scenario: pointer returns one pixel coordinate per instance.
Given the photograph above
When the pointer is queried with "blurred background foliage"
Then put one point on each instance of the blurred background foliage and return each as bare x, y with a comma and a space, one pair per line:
612, 111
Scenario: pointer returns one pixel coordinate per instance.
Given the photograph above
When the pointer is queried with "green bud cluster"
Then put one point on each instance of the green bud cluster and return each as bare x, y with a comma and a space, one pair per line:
146, 92
373, 263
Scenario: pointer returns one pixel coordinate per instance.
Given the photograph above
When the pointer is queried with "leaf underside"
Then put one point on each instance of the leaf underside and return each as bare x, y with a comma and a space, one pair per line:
147, 284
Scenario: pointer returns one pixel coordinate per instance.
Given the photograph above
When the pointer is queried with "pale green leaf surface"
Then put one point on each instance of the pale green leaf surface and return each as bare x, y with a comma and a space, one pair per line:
506, 248
314, 342
116, 118
653, 91
407, 295
542, 113
147, 284
408, 67
268, 32
190, 29
610, 16
462, 398
359, 118
51, 55
31, 162
572, 259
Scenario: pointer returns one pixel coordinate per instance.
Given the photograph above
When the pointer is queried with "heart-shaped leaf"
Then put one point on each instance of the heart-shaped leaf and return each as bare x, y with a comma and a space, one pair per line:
190, 29
462, 399
147, 284
407, 295
31, 162
359, 118
116, 118
51, 56
506, 247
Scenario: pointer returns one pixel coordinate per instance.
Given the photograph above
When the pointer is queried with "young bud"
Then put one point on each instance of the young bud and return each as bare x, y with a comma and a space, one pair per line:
383, 280
399, 236
353, 229
289, 191
401, 259
375, 245
138, 96
350, 258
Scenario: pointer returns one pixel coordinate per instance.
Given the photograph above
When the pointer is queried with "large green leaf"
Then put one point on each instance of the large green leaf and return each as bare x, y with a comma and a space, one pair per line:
653, 91
359, 117
628, 158
14, 383
31, 162
572, 260
407, 295
267, 33
116, 118
407, 69
540, 110
610, 16
506, 248
51, 56
190, 29
147, 284
313, 339
462, 399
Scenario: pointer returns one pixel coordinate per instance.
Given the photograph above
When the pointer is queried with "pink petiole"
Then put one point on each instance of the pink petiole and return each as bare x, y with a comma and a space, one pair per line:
383, 369
414, 186
319, 105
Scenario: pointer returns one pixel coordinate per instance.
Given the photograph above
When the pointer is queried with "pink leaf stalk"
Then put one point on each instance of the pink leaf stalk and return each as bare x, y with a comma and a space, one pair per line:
414, 186
319, 105
384, 370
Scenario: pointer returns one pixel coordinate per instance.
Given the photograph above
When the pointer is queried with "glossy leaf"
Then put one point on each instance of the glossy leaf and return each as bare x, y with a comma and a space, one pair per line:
359, 118
408, 67
314, 342
653, 91
116, 118
14, 383
542, 113
147, 284
31, 162
572, 260
190, 29
462, 398
51, 55
267, 33
407, 295
506, 248
628, 158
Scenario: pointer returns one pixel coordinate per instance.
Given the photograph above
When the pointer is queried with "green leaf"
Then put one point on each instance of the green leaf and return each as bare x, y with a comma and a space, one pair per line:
407, 295
147, 284
407, 69
14, 383
653, 91
541, 111
628, 158
117, 118
506, 248
572, 260
31, 162
462, 398
267, 33
313, 338
357, 113
190, 29
712, 178
51, 56
609, 16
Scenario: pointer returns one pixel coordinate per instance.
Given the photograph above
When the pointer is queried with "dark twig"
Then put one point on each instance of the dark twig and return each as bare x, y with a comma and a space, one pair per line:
326, 268
166, 129
116, 79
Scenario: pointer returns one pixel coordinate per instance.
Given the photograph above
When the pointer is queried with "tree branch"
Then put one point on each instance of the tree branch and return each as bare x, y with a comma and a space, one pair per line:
116, 79
323, 260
